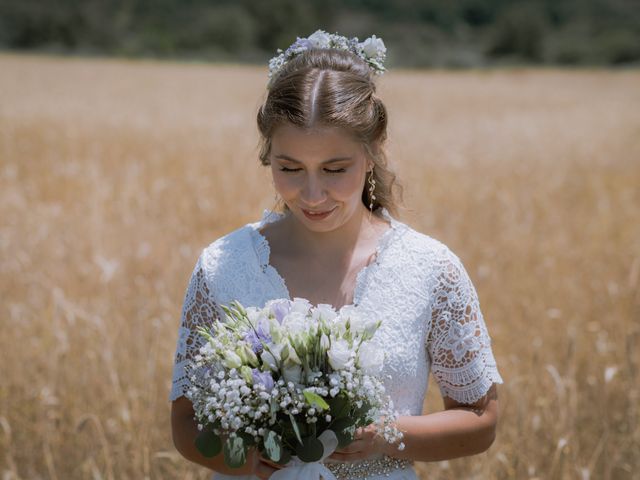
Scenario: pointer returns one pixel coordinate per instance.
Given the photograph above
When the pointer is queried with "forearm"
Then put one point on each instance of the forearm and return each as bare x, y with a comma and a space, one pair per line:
452, 433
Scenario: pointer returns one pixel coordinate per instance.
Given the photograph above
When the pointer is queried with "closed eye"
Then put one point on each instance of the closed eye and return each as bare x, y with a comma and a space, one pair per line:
328, 170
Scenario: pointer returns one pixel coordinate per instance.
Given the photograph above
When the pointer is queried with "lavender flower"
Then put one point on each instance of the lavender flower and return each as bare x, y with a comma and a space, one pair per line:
257, 336
280, 308
263, 378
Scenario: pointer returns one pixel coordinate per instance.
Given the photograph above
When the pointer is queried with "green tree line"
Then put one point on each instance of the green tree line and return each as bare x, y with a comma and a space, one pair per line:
418, 33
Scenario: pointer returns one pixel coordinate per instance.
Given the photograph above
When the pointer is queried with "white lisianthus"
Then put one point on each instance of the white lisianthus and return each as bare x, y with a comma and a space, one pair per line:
295, 323
348, 311
268, 357
254, 314
232, 360
247, 356
289, 353
339, 354
291, 372
319, 39
374, 47
370, 359
364, 325
275, 330
324, 342
301, 305
325, 312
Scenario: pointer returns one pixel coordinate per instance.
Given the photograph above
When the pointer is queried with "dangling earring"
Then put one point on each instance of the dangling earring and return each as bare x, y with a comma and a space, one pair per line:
372, 187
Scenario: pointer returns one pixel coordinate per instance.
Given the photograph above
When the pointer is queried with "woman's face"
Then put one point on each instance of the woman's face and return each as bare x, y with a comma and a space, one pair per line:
320, 174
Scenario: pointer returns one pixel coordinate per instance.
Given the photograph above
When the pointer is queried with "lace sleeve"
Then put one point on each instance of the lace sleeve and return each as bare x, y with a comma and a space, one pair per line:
198, 309
458, 344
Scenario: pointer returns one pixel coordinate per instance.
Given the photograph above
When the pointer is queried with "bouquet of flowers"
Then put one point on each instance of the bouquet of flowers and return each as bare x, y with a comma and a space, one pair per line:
291, 380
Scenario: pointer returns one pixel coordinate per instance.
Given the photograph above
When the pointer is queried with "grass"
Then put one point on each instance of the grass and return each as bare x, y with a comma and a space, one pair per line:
115, 174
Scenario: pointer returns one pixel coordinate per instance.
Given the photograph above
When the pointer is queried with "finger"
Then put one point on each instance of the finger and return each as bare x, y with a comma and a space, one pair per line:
355, 446
270, 463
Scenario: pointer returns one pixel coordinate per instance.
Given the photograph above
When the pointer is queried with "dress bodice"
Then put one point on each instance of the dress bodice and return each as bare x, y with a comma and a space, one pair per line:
431, 318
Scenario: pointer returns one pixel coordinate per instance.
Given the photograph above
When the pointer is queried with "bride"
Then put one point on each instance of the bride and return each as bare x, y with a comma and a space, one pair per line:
336, 240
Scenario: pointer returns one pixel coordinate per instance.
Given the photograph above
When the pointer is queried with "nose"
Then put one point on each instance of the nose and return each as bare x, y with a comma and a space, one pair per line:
313, 192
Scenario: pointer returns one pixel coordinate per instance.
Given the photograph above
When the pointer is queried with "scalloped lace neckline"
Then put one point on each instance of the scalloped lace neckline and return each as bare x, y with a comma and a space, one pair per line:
263, 251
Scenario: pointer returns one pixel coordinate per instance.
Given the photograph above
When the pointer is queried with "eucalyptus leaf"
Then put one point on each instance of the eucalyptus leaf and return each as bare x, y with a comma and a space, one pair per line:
296, 430
208, 444
310, 450
235, 452
273, 446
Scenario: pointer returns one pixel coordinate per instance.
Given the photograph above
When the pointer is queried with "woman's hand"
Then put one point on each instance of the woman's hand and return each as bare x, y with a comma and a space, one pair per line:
366, 443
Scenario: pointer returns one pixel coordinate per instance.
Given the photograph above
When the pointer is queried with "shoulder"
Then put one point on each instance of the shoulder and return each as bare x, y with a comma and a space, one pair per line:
425, 245
228, 251
438, 259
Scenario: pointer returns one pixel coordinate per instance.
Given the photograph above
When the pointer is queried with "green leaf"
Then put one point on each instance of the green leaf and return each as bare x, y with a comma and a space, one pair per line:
235, 453
310, 450
296, 430
273, 446
341, 424
345, 437
339, 406
315, 400
208, 444
284, 457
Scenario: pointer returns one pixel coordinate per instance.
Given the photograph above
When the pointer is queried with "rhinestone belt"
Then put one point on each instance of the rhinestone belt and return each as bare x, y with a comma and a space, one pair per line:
358, 470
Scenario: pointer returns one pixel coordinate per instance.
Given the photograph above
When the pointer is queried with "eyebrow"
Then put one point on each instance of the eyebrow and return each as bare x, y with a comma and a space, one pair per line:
326, 162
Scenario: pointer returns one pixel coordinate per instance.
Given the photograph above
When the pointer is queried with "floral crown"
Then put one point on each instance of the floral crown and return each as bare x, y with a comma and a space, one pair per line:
372, 50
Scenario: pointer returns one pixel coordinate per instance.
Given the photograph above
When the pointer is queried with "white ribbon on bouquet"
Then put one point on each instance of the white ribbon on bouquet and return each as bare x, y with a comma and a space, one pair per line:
299, 470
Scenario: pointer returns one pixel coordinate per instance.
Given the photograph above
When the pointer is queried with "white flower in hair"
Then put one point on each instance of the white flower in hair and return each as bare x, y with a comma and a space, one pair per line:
320, 39
374, 47
372, 50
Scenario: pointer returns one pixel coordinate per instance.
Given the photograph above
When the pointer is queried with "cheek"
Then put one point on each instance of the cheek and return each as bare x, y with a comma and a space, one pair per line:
285, 184
347, 186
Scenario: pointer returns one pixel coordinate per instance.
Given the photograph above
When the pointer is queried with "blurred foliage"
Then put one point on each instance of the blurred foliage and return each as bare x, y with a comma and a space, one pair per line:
458, 33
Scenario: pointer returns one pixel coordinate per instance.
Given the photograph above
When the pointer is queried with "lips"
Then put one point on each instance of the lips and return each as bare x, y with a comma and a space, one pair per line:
317, 214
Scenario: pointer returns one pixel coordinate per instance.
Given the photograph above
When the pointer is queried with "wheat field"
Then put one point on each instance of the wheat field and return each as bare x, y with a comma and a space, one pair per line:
115, 174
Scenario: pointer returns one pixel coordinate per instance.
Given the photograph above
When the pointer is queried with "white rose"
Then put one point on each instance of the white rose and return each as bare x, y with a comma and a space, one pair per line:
370, 359
373, 47
319, 39
339, 354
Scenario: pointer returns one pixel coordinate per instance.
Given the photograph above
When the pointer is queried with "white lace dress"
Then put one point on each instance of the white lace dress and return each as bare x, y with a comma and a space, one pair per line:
431, 316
